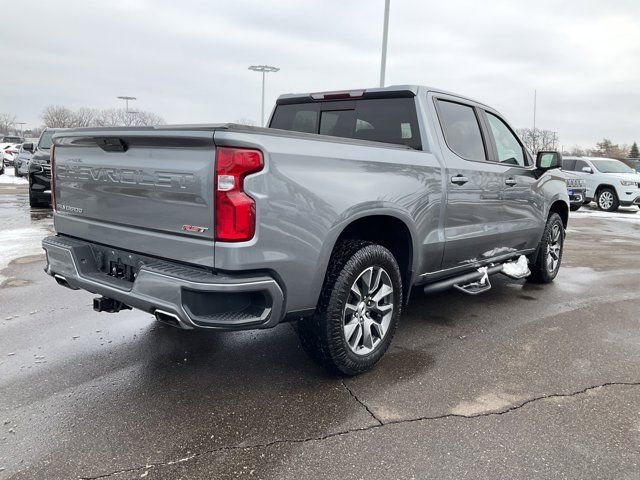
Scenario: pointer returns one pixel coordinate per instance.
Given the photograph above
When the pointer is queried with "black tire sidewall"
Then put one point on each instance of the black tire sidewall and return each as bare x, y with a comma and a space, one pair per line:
342, 356
540, 272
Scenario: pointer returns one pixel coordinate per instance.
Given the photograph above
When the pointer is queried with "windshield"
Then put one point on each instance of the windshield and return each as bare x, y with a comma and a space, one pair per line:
46, 140
611, 166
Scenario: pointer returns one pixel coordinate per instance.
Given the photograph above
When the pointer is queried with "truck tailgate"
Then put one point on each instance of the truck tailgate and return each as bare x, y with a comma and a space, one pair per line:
141, 188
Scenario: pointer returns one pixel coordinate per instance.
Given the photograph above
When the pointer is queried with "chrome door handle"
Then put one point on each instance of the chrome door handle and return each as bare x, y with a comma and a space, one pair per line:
511, 182
459, 180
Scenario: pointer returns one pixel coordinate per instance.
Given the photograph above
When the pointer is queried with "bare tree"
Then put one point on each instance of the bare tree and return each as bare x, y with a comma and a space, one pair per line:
57, 116
85, 117
119, 117
606, 148
62, 117
577, 151
537, 140
7, 122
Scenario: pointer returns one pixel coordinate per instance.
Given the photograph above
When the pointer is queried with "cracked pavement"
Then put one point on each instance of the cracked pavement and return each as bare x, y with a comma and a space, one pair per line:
525, 381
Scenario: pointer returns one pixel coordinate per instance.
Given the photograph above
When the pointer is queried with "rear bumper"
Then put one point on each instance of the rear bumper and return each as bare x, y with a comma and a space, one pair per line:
194, 298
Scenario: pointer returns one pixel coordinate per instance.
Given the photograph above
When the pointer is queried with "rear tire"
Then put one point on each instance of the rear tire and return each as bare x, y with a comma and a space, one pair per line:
358, 312
547, 263
607, 200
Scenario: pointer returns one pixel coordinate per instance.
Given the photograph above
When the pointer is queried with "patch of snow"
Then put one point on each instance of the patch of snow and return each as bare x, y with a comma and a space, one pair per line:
626, 215
485, 275
8, 178
518, 269
20, 242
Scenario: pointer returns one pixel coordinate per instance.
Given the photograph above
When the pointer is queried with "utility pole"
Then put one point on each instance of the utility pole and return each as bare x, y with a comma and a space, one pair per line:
385, 32
264, 69
533, 132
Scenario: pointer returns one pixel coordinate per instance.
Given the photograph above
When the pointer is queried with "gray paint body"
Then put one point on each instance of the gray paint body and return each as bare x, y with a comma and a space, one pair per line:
311, 189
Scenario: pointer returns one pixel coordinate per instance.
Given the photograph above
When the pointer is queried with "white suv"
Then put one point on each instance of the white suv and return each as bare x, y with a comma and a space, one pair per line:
610, 182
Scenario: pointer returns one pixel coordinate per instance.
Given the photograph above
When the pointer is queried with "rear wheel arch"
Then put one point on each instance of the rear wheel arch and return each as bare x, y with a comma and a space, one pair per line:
387, 230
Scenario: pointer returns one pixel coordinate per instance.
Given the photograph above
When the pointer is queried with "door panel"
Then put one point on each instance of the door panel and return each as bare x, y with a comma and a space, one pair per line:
523, 206
473, 214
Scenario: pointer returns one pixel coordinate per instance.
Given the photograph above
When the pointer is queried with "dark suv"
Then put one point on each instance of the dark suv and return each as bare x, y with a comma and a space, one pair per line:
40, 171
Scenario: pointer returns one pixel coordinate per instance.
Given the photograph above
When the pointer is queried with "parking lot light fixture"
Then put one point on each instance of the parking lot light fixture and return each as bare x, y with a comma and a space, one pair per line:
263, 69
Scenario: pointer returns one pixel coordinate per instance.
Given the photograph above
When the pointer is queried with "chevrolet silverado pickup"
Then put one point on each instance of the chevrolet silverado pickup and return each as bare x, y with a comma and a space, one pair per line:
330, 217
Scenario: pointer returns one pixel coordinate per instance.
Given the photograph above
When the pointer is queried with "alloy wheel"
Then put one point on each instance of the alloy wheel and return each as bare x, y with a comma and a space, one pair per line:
605, 200
368, 312
554, 248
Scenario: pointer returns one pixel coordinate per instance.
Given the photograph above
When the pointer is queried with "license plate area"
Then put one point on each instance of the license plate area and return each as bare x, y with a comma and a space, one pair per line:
118, 269
117, 264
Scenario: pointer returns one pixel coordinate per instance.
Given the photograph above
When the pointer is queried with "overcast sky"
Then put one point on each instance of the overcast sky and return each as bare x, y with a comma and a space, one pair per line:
187, 60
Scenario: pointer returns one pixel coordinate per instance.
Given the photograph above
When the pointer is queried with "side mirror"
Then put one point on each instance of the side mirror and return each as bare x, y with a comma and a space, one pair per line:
28, 147
587, 169
548, 160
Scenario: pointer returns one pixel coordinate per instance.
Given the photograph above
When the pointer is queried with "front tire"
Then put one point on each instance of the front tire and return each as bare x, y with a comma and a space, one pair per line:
549, 257
607, 200
358, 311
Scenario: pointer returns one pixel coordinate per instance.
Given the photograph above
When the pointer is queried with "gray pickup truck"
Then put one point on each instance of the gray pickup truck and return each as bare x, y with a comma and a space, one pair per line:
329, 217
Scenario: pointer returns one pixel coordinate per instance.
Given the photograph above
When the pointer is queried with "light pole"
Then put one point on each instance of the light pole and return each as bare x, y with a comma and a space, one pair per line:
126, 106
263, 69
21, 124
385, 32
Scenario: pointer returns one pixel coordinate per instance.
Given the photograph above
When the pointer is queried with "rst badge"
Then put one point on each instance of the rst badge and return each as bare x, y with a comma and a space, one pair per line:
194, 228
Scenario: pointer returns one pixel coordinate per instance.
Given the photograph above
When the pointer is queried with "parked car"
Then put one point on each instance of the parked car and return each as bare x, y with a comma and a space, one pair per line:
40, 171
577, 190
9, 153
13, 139
328, 218
610, 182
21, 161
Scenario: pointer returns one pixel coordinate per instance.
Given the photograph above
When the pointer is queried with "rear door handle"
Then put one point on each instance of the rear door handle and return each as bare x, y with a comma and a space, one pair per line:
459, 180
511, 181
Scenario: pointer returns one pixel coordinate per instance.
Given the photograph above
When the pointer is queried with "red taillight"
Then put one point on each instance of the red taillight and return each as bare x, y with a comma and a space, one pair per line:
235, 212
53, 186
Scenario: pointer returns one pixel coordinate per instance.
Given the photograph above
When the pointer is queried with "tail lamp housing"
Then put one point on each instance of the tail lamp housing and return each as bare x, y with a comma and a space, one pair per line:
235, 211
53, 183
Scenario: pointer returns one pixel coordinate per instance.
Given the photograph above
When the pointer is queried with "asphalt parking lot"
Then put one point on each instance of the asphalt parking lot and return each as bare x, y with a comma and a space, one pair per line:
525, 381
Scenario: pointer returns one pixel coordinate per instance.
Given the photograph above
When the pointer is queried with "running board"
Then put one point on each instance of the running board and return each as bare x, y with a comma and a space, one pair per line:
477, 282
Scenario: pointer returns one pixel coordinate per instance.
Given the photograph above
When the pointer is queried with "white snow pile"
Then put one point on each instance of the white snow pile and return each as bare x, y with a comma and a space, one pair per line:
519, 268
630, 214
20, 242
8, 178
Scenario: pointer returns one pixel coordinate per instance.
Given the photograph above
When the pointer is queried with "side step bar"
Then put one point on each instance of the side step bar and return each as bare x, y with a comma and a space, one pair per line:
476, 282
463, 280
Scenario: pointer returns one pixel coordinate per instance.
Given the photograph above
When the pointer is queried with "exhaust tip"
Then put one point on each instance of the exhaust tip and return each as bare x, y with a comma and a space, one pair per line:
168, 318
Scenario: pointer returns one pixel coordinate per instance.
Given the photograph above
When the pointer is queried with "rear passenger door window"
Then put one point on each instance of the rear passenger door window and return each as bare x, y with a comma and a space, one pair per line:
510, 150
461, 130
